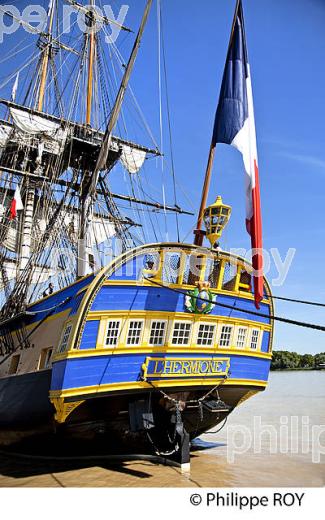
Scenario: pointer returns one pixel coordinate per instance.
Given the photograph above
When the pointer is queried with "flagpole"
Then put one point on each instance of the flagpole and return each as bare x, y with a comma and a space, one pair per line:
198, 232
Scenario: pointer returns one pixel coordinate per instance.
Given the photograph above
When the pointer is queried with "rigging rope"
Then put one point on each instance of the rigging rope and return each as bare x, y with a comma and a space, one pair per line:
169, 119
293, 300
160, 113
20, 344
238, 309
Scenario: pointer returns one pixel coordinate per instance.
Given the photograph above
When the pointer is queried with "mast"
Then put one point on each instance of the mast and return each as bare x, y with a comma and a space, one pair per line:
26, 238
89, 191
27, 222
198, 232
45, 60
102, 158
91, 56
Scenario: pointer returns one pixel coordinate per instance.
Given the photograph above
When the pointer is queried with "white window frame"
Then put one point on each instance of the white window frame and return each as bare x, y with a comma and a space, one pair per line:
128, 332
119, 330
230, 337
242, 327
65, 338
204, 323
165, 322
258, 342
181, 322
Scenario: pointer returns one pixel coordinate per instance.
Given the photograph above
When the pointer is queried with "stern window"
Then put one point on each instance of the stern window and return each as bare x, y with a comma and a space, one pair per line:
134, 333
206, 334
157, 333
181, 333
112, 335
241, 337
254, 339
225, 336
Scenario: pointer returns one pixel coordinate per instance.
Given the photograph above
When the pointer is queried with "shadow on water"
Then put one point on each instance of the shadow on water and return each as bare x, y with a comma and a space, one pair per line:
44, 456
14, 467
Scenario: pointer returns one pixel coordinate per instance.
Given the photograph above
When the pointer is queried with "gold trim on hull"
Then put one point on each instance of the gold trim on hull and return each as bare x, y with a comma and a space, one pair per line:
142, 385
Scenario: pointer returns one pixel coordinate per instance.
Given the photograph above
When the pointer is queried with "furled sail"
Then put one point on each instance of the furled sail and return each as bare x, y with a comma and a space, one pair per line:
132, 158
4, 134
53, 135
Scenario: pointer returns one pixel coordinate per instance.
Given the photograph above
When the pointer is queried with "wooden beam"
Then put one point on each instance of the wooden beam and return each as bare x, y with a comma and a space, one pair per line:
75, 125
103, 19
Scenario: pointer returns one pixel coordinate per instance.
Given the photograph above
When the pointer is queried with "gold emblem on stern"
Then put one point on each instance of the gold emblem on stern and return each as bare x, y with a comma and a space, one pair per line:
200, 300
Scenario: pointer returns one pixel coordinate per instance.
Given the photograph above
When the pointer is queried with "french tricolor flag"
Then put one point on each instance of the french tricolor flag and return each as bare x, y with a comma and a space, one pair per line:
235, 125
16, 204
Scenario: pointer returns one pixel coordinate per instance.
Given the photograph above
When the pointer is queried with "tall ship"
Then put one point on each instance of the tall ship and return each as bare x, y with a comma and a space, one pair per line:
103, 335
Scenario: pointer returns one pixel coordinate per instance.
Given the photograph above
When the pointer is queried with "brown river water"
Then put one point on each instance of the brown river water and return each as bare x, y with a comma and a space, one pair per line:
276, 438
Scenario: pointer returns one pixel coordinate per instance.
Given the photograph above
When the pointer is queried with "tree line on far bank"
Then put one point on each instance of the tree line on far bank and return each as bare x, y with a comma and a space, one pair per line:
283, 359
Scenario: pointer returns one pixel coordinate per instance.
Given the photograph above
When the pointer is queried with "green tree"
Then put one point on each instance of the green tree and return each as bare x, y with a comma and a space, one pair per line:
283, 359
319, 359
307, 361
277, 360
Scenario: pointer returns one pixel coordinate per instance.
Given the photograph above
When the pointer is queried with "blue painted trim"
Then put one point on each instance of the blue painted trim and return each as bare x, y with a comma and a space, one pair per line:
57, 298
265, 342
89, 335
102, 370
144, 298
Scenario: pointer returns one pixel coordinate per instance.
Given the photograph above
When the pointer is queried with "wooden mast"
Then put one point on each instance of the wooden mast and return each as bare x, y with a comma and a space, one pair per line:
27, 223
198, 232
89, 195
102, 158
91, 56
45, 61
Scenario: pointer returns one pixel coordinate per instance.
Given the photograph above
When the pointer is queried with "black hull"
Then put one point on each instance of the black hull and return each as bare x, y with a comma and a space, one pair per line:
115, 421
24, 399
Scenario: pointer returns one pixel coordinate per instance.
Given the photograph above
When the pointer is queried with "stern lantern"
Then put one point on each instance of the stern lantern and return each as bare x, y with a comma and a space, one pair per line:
216, 217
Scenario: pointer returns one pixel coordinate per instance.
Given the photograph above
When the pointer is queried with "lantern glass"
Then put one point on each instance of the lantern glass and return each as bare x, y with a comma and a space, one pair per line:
216, 218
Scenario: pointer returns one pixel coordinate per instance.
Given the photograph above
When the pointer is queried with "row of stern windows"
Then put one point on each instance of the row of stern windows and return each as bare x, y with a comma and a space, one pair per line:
160, 333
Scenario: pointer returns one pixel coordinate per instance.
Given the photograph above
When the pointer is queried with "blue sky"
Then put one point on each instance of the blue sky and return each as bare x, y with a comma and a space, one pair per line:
286, 45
